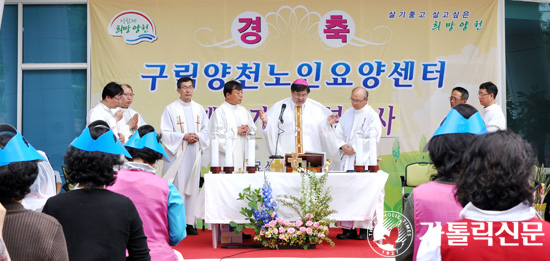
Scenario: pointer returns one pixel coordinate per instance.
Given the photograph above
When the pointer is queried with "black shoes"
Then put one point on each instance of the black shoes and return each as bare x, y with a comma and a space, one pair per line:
191, 231
348, 234
364, 234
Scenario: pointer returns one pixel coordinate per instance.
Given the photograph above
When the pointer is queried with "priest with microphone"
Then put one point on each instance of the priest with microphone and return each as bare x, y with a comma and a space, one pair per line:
298, 124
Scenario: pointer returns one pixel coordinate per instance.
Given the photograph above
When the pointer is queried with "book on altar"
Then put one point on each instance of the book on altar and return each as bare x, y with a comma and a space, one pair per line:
315, 160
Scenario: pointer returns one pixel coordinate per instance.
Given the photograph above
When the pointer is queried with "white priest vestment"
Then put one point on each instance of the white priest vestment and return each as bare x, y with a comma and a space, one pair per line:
494, 118
229, 117
104, 113
178, 119
122, 125
352, 120
318, 135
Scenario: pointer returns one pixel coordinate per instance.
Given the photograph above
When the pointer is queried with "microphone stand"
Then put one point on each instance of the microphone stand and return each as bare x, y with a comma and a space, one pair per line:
276, 156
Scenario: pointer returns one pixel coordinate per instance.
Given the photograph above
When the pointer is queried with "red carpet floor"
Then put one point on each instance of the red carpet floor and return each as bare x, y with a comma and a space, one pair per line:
200, 247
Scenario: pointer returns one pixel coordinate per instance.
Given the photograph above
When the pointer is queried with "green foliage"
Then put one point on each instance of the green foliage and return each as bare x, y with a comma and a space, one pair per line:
314, 197
422, 144
396, 149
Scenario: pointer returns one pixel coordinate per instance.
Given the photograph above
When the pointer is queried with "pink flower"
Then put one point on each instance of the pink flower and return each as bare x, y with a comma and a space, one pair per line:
299, 223
281, 230
281, 236
267, 225
275, 231
273, 214
309, 216
286, 223
316, 225
302, 229
272, 223
291, 230
309, 223
309, 231
262, 232
279, 220
321, 235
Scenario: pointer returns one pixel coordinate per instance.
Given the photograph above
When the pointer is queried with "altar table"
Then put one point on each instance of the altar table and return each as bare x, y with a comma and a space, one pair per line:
355, 196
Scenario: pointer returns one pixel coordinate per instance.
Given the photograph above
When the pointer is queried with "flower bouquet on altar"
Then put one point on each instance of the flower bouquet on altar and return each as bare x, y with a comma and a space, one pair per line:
312, 205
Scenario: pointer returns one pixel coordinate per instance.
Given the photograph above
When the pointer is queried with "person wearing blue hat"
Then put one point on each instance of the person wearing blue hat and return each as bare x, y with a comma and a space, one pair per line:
157, 200
98, 224
434, 201
28, 235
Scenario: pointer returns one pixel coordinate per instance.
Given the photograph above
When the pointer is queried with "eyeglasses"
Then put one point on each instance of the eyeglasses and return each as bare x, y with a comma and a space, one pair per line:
129, 94
452, 98
299, 95
355, 101
187, 88
483, 94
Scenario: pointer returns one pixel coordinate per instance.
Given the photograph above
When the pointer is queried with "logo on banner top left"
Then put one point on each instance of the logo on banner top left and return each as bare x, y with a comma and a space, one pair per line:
134, 26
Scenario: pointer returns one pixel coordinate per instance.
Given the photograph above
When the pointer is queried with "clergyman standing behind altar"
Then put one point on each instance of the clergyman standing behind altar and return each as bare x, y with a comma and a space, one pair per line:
229, 126
185, 136
304, 124
358, 128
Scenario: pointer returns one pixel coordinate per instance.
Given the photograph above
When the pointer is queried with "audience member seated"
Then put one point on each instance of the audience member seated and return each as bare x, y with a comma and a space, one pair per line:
434, 201
157, 200
43, 187
498, 220
28, 235
98, 224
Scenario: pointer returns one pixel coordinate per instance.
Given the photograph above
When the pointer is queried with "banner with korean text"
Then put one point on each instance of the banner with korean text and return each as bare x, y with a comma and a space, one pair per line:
408, 54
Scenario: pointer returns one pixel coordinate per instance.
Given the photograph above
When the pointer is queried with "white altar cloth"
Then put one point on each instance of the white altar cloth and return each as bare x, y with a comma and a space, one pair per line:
355, 196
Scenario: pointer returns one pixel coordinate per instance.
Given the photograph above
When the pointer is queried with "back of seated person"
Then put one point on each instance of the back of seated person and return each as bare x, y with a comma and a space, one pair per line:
28, 235
157, 200
498, 218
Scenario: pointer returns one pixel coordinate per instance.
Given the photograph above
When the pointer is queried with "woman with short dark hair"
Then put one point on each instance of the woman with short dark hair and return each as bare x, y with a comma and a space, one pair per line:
498, 221
157, 200
28, 235
99, 224
434, 201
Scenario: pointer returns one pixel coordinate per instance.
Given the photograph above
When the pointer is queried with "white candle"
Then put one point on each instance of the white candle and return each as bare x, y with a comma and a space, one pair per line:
251, 152
372, 151
215, 153
359, 151
228, 152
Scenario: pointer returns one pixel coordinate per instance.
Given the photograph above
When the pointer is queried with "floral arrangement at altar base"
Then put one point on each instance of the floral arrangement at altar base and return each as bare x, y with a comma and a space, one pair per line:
282, 232
312, 206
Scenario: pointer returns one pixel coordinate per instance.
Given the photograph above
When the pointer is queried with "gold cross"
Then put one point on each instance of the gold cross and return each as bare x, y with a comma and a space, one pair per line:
277, 166
294, 160
327, 164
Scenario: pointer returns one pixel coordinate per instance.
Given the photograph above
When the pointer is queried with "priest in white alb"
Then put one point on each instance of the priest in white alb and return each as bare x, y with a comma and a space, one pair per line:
305, 125
229, 126
359, 127
110, 99
185, 136
131, 119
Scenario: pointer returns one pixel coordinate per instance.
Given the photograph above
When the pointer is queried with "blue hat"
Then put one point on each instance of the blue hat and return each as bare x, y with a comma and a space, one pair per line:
105, 143
456, 123
17, 149
149, 140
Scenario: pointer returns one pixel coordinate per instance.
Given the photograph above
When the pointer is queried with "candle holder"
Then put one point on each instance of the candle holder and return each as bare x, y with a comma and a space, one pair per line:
251, 169
359, 168
215, 170
228, 170
374, 168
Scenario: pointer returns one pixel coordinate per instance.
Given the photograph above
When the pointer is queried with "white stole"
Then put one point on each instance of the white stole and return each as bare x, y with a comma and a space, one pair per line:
172, 171
237, 149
